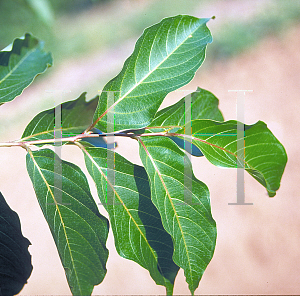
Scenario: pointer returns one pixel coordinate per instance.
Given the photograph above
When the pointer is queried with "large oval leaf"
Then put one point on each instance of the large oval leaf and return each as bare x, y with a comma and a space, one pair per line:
19, 66
78, 229
183, 203
138, 231
165, 58
15, 260
264, 157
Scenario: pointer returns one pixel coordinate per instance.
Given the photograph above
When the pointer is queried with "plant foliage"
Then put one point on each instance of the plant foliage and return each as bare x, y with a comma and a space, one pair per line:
159, 213
15, 260
20, 65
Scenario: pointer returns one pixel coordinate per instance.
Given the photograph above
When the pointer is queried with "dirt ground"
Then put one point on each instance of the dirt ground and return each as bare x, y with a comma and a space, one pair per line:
257, 249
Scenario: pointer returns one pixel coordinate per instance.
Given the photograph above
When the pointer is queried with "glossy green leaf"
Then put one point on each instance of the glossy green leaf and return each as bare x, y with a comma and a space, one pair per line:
138, 231
204, 105
200, 104
76, 116
264, 156
15, 260
183, 203
78, 229
165, 58
19, 66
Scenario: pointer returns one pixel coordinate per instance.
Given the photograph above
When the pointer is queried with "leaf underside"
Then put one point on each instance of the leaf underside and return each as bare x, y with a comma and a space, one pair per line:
21, 65
136, 223
183, 203
165, 57
15, 260
78, 229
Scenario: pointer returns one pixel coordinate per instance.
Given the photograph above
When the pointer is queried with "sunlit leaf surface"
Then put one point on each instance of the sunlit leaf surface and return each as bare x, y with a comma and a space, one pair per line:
78, 229
183, 203
165, 58
138, 231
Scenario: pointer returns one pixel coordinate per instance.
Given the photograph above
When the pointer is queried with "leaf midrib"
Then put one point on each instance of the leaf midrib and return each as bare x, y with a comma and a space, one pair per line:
149, 73
57, 209
171, 202
17, 65
210, 144
52, 131
126, 209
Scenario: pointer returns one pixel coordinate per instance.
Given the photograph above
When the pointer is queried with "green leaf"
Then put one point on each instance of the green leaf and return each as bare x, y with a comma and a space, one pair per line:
165, 57
21, 65
204, 105
15, 260
76, 116
264, 157
78, 229
200, 104
183, 203
138, 231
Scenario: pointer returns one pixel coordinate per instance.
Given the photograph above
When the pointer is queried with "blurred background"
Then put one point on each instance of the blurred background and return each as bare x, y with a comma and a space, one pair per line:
256, 47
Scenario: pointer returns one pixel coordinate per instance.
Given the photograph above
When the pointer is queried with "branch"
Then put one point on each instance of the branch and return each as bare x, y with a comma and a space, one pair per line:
128, 133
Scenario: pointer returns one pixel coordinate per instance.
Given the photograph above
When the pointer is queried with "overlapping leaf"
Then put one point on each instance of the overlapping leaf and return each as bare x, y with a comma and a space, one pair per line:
264, 156
202, 104
19, 66
138, 231
79, 230
183, 203
165, 58
15, 260
76, 116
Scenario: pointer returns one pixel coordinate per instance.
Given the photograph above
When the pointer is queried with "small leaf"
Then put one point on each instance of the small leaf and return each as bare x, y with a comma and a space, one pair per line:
76, 116
15, 260
21, 65
264, 156
183, 203
78, 229
138, 231
165, 57
203, 105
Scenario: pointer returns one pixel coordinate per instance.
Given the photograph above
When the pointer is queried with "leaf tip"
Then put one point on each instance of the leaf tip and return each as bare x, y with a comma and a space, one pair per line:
271, 193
